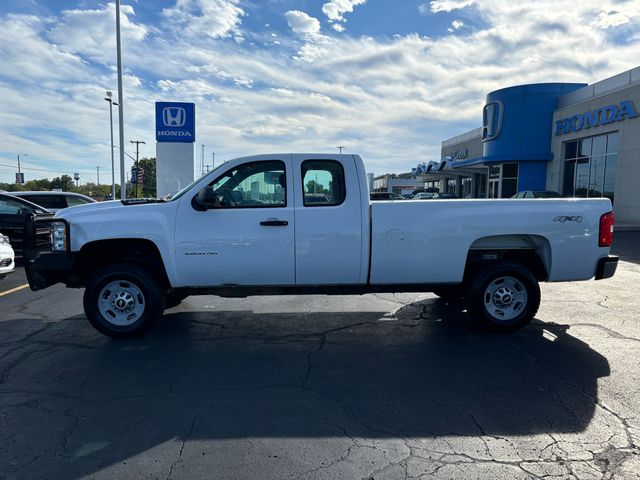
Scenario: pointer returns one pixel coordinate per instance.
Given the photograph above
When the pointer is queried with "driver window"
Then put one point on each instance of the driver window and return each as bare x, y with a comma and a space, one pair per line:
252, 185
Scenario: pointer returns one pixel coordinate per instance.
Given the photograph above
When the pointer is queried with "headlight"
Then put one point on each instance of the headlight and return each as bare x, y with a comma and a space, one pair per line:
58, 236
4, 240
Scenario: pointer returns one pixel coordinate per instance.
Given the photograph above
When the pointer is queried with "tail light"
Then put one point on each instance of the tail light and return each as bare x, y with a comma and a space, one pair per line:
605, 237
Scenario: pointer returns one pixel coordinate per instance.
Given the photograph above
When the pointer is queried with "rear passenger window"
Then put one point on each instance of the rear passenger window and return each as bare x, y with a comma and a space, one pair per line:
47, 201
323, 183
72, 201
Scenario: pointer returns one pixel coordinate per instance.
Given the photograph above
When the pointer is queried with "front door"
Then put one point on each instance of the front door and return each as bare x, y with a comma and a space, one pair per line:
247, 237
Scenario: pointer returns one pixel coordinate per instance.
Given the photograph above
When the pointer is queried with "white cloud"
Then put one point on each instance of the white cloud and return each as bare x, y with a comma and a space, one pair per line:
337, 27
211, 18
93, 32
455, 25
620, 14
336, 9
301, 23
448, 5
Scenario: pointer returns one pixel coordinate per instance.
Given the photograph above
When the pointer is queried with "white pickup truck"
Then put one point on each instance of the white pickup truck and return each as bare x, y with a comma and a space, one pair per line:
303, 224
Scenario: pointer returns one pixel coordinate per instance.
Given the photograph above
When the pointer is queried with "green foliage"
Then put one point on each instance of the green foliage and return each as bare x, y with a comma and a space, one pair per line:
64, 183
148, 189
313, 187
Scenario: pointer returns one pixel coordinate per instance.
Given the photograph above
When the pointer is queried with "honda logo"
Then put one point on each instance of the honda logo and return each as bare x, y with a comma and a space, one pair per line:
174, 117
492, 116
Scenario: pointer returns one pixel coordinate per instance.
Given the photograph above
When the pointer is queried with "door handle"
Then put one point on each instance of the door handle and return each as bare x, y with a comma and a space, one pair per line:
274, 223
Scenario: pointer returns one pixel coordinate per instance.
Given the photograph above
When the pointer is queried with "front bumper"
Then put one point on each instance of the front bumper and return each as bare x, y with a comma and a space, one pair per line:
606, 267
42, 266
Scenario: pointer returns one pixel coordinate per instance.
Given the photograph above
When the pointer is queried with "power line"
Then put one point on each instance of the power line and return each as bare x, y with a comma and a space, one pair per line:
45, 170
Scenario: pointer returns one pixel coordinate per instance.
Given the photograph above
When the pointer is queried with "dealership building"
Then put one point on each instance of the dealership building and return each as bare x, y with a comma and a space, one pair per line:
576, 139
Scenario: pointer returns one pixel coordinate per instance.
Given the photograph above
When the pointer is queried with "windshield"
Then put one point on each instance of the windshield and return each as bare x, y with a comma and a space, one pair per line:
184, 190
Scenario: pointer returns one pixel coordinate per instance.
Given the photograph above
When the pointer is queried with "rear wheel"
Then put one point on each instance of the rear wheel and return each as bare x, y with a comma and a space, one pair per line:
123, 300
504, 297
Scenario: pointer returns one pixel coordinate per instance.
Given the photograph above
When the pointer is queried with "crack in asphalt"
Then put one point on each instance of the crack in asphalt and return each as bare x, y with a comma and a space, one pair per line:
184, 441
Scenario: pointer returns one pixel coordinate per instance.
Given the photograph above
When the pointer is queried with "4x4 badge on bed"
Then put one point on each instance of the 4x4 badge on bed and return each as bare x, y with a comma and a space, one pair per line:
564, 218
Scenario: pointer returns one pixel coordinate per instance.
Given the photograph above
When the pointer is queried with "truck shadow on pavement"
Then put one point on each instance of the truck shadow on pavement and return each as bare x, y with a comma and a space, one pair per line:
74, 402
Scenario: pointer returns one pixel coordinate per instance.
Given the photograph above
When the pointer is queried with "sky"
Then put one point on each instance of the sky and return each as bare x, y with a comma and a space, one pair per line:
387, 79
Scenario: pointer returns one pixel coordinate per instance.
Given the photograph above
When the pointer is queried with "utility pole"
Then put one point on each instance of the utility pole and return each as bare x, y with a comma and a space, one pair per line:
137, 142
98, 174
213, 160
340, 148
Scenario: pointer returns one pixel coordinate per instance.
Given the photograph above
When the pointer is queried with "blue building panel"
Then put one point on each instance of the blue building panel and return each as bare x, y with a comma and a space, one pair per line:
532, 176
526, 121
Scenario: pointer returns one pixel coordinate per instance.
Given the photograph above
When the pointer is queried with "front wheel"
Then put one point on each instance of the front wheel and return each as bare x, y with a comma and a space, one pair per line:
123, 300
504, 297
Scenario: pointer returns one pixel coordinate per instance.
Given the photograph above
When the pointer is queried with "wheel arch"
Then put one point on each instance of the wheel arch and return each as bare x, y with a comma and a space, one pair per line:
532, 251
101, 253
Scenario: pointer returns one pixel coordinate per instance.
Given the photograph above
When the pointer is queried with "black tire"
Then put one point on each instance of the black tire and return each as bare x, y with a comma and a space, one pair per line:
452, 294
490, 290
173, 299
134, 287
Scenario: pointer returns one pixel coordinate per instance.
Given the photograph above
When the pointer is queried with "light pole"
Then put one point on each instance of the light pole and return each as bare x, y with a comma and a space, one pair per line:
113, 166
123, 185
19, 179
340, 148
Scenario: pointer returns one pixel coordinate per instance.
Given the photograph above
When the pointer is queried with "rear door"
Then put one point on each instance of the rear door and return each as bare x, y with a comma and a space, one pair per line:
328, 212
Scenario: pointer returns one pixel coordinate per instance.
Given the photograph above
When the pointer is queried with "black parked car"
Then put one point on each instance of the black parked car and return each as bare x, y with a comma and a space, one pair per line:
385, 196
13, 216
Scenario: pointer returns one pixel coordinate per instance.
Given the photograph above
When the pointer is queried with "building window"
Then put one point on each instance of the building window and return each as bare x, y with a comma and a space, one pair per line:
481, 185
465, 187
509, 180
451, 185
590, 166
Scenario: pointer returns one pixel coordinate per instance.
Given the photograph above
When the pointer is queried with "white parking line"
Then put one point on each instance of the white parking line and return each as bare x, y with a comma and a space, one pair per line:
17, 289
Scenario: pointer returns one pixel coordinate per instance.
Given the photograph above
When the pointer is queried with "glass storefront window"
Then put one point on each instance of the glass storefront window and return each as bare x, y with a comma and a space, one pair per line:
465, 187
569, 178
509, 180
481, 186
592, 172
584, 147
610, 176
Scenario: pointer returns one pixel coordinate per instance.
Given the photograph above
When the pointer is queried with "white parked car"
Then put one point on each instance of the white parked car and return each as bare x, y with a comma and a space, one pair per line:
7, 257
254, 226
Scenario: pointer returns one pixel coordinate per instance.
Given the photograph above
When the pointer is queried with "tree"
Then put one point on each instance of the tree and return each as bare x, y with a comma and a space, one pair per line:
313, 187
148, 189
64, 183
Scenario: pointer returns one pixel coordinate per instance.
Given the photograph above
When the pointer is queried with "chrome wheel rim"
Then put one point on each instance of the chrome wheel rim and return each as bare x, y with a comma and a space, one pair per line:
121, 302
505, 298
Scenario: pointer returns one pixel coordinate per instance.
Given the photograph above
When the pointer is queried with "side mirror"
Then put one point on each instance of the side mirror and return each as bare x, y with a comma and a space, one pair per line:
204, 199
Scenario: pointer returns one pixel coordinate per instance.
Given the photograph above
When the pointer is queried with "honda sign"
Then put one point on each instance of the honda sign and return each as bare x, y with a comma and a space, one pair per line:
175, 122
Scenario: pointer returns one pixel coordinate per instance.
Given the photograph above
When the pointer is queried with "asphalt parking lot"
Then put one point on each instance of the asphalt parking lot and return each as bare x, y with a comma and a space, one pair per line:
373, 387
